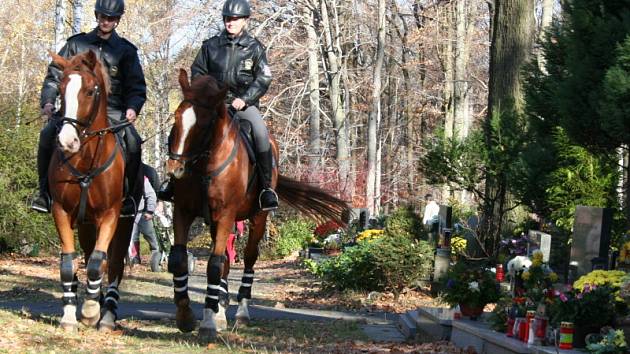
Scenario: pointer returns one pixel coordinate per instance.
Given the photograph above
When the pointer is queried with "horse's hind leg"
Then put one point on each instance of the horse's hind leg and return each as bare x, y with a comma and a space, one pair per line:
178, 266
115, 270
256, 232
67, 269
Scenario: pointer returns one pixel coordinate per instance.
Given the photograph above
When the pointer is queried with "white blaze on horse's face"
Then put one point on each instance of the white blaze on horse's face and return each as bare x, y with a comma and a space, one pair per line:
68, 138
188, 121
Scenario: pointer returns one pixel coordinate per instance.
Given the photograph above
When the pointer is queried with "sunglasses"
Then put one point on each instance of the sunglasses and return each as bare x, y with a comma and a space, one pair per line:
102, 17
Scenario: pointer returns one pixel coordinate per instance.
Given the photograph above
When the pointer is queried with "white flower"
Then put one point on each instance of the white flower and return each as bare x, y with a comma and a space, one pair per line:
473, 285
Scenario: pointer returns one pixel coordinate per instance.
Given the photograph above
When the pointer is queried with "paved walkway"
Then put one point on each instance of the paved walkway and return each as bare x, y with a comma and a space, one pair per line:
379, 327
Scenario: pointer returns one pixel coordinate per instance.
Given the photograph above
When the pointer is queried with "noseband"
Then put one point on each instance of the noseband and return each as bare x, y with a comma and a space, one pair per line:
75, 123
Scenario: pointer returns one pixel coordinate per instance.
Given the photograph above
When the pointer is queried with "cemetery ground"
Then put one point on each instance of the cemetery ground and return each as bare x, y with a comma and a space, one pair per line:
30, 305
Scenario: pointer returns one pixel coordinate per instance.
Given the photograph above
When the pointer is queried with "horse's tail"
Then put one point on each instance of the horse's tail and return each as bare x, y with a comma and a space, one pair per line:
314, 202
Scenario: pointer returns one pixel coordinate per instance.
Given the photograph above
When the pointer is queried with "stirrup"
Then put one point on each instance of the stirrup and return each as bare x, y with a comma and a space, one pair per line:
41, 204
269, 207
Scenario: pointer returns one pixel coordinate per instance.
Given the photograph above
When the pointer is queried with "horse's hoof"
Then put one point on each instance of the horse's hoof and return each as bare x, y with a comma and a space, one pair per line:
207, 335
70, 327
242, 321
185, 319
90, 313
108, 322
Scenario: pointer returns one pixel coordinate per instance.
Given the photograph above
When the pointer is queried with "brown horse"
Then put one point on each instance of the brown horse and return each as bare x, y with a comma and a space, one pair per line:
214, 178
86, 184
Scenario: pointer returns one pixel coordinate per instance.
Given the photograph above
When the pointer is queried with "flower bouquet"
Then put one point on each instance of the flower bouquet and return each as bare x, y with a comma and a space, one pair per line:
469, 287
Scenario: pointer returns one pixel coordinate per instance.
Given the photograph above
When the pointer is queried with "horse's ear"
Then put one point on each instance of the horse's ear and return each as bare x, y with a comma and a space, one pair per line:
90, 59
183, 80
59, 60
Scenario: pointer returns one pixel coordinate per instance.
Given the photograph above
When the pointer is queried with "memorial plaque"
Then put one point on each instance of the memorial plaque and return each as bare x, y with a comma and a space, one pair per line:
591, 237
362, 215
539, 240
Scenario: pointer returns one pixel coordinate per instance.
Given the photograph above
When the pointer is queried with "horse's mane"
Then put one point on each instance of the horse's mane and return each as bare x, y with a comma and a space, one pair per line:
78, 62
206, 87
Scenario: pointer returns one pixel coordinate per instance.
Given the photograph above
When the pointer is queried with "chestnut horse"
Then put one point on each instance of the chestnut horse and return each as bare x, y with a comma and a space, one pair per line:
86, 185
214, 178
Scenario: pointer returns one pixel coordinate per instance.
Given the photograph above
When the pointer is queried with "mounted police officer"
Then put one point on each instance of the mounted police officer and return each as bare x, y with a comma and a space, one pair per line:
128, 94
239, 60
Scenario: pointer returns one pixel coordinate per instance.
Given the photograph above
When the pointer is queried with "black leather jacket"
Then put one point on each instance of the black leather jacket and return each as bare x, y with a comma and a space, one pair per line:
239, 62
128, 88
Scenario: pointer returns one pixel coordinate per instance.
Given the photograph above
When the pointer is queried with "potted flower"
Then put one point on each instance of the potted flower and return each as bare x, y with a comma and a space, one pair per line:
588, 309
332, 248
469, 287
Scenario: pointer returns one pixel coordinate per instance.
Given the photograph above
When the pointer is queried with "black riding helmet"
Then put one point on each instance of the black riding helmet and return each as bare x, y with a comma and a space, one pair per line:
114, 8
236, 8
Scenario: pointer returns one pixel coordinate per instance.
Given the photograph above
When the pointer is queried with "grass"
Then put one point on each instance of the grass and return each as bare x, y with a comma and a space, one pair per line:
24, 332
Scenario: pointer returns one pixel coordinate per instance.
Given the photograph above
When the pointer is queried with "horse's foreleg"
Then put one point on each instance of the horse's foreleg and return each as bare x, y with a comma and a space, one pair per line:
115, 269
214, 319
91, 309
178, 266
256, 232
67, 269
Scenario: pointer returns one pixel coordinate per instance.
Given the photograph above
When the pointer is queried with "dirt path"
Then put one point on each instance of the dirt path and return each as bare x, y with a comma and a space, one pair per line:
282, 291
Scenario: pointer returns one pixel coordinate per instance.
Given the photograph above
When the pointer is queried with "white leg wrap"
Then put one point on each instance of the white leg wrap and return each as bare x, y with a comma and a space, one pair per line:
69, 314
242, 313
221, 319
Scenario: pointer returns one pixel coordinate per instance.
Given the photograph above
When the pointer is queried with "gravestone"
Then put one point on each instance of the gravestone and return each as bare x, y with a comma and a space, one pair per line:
591, 238
362, 215
445, 217
539, 240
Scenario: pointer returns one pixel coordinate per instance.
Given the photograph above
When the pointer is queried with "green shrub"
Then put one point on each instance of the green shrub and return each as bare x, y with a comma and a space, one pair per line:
294, 235
20, 228
405, 222
355, 268
391, 262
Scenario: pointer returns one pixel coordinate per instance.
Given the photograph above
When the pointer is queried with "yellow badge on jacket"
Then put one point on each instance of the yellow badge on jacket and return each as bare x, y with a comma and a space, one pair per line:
248, 64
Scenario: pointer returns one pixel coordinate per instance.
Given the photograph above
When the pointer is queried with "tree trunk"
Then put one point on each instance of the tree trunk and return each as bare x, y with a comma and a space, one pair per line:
334, 74
374, 118
461, 101
77, 16
60, 24
513, 33
545, 22
314, 144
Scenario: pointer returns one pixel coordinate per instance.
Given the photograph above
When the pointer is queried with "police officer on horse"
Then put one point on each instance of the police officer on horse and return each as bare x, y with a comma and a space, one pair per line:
128, 94
237, 59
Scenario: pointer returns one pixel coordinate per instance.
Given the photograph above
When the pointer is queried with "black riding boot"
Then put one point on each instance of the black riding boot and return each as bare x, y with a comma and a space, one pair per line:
133, 190
268, 199
42, 202
166, 191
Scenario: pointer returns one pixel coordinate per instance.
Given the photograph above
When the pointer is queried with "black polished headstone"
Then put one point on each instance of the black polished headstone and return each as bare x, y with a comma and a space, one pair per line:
591, 238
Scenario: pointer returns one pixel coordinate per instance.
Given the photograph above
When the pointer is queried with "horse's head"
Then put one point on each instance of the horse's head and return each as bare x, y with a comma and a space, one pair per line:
194, 120
83, 83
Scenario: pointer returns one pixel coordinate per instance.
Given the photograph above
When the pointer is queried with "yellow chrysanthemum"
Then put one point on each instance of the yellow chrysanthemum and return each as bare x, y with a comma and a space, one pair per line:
526, 275
536, 262
553, 277
537, 256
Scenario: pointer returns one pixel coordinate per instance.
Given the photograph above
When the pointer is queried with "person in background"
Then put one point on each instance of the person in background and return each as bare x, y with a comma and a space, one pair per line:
144, 223
431, 210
